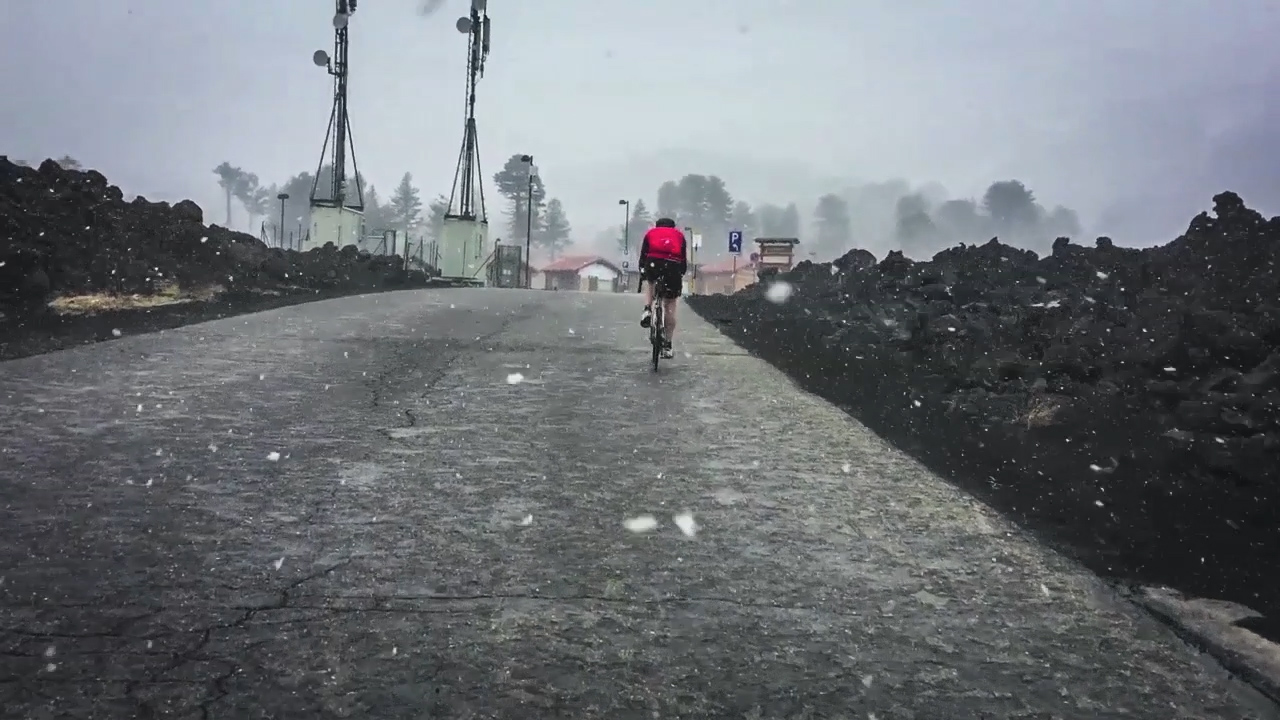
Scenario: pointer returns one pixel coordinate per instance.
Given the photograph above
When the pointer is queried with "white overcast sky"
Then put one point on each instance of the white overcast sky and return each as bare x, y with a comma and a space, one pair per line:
1134, 112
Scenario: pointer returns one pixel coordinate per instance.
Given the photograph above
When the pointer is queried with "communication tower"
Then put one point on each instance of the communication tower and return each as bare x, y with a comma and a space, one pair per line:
463, 243
336, 216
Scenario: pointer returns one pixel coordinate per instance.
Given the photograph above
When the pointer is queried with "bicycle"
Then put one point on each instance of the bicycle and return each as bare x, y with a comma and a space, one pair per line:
658, 325
658, 320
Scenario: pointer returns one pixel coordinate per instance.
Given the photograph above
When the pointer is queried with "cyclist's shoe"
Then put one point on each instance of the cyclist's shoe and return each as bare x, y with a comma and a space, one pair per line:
667, 352
647, 318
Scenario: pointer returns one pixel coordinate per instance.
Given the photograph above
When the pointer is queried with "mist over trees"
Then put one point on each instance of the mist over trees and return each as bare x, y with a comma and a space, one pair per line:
252, 204
249, 203
1008, 210
878, 217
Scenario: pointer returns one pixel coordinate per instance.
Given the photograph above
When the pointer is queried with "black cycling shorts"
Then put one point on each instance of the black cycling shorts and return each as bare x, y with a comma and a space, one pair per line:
666, 273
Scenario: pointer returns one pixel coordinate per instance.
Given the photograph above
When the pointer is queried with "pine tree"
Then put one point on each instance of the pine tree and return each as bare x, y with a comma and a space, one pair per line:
435, 218
555, 230
375, 214
405, 206
640, 223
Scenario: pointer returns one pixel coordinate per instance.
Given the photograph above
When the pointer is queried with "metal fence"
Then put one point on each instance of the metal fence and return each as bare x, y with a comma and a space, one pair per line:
507, 267
418, 253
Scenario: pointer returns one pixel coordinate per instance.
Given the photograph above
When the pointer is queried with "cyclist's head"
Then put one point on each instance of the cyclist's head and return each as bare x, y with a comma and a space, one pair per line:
665, 222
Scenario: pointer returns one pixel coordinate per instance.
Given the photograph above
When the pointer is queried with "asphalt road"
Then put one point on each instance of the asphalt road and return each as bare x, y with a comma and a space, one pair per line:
434, 541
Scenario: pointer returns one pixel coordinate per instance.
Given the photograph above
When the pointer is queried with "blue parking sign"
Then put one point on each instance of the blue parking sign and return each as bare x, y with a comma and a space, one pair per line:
735, 242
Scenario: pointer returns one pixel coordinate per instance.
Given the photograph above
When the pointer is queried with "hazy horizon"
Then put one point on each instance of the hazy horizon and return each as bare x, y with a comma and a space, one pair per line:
1133, 115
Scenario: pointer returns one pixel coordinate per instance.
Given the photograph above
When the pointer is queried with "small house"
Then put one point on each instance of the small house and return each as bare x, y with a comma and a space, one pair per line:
586, 273
725, 276
776, 253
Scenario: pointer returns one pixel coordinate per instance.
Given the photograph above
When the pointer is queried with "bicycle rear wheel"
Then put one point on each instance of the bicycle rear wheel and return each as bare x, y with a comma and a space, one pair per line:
656, 333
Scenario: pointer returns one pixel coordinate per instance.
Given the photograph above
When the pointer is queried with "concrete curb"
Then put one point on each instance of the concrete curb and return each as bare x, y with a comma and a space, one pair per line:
1210, 625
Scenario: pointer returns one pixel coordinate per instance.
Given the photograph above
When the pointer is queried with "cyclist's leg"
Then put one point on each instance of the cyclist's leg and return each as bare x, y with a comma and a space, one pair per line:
670, 299
646, 280
669, 324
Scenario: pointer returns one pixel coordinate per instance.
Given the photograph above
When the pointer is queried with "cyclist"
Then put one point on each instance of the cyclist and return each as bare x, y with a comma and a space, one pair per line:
664, 260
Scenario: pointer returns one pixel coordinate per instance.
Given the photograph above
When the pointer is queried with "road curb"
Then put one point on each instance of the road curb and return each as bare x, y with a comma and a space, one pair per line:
1210, 626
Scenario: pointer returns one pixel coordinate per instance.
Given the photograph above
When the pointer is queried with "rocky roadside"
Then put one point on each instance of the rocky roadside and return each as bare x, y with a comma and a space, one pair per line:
1122, 404
78, 264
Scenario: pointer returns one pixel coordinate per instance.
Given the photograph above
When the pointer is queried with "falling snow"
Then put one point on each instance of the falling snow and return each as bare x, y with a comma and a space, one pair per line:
779, 292
640, 523
685, 522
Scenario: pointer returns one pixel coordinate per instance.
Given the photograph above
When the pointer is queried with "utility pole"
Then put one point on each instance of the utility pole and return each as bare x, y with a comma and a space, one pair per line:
280, 235
528, 222
692, 249
626, 228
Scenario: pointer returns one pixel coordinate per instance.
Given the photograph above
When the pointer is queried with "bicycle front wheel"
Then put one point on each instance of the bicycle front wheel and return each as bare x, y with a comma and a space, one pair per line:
655, 336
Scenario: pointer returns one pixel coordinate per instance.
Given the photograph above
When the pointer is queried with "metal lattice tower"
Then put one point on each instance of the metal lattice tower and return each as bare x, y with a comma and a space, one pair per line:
466, 199
339, 129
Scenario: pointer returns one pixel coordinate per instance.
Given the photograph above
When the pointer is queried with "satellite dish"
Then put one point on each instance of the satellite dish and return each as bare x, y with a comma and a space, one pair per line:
340, 20
479, 5
320, 58
463, 25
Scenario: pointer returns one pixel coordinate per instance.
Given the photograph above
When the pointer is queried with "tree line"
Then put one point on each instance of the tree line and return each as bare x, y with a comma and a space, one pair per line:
403, 211
874, 216
66, 162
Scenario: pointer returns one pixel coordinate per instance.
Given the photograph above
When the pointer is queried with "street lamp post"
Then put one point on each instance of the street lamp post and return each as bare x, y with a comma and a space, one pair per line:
693, 251
528, 222
280, 233
626, 228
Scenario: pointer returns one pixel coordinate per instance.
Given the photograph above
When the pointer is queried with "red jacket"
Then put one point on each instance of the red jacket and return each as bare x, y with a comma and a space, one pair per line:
662, 243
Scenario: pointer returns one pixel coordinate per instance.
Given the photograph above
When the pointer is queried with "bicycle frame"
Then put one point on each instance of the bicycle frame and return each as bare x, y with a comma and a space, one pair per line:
658, 321
657, 328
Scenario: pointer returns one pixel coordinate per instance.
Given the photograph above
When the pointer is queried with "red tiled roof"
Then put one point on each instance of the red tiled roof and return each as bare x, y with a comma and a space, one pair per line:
574, 263
724, 266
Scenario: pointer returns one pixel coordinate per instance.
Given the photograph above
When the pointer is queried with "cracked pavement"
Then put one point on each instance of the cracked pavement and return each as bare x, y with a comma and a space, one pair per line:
344, 509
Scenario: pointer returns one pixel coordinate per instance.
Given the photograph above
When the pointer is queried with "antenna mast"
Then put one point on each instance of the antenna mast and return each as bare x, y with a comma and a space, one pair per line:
467, 178
339, 121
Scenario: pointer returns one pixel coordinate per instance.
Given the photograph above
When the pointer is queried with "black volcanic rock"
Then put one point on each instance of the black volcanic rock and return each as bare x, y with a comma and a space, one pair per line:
1124, 401
69, 232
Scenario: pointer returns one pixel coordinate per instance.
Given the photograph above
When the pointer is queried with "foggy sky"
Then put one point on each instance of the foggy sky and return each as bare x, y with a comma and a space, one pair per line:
1133, 112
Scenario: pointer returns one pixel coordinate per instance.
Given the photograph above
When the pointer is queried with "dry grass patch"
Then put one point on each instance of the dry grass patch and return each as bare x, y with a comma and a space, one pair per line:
1040, 412
94, 303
